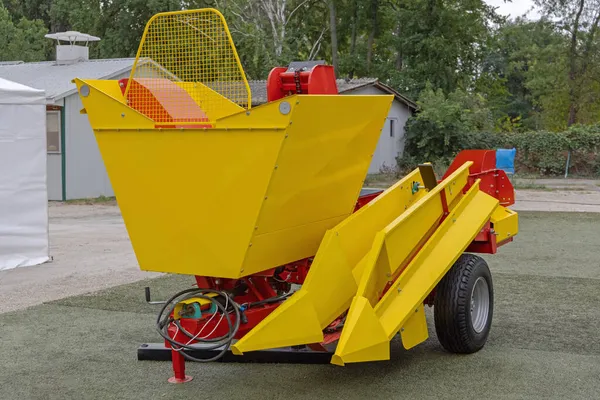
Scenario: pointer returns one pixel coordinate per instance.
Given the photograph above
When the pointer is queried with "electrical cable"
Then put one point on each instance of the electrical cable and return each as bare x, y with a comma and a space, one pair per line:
164, 320
270, 300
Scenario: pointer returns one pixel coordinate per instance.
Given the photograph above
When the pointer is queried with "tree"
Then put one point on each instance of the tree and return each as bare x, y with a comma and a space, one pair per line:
519, 68
410, 43
22, 41
579, 19
122, 23
333, 30
442, 126
269, 33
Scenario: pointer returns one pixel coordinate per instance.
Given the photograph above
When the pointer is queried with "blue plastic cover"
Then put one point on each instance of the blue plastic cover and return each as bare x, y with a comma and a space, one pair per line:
505, 160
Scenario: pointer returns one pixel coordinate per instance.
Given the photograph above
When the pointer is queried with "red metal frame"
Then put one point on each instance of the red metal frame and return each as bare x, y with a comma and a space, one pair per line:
494, 181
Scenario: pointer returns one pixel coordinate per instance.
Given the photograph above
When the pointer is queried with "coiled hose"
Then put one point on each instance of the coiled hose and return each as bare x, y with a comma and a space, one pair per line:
165, 319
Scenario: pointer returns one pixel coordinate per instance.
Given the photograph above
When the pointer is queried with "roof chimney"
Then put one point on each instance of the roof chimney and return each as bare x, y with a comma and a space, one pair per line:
70, 52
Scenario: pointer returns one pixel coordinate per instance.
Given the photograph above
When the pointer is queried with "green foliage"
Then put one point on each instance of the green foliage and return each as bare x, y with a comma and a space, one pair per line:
436, 42
521, 65
438, 130
22, 40
538, 152
546, 152
584, 143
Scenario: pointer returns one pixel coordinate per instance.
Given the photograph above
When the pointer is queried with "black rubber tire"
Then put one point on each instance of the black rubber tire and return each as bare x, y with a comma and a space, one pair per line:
452, 306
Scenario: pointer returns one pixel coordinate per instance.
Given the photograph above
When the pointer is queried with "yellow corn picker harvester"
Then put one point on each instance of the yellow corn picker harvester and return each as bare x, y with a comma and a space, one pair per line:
293, 260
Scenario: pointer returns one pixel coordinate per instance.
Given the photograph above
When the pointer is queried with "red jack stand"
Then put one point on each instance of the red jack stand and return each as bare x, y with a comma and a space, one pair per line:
178, 362
179, 368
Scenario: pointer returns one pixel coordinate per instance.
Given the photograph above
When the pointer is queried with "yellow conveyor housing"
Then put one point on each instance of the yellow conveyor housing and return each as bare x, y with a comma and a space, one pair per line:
398, 239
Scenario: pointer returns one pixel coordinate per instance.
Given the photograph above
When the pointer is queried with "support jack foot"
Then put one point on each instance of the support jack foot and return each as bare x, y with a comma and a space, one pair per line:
174, 379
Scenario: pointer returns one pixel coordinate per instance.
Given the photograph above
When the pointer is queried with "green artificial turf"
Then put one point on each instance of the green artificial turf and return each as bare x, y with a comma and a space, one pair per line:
544, 341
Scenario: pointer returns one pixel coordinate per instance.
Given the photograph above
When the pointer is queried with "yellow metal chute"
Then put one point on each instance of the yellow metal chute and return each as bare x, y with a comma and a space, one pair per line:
398, 233
233, 200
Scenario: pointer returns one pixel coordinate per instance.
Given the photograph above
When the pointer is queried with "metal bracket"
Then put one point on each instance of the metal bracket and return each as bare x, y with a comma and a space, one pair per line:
416, 186
148, 298
428, 175
283, 355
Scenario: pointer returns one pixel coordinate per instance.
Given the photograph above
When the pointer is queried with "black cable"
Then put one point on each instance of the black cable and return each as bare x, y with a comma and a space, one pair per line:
270, 300
163, 321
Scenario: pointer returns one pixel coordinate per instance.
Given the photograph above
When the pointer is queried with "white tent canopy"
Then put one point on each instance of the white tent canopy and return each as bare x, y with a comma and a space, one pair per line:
23, 193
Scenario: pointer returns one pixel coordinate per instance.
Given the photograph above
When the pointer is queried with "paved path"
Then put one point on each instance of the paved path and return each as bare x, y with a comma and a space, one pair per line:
91, 251
560, 183
557, 200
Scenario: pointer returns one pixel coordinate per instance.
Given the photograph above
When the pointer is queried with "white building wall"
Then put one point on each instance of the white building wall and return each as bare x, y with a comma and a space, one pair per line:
85, 172
391, 141
86, 175
54, 176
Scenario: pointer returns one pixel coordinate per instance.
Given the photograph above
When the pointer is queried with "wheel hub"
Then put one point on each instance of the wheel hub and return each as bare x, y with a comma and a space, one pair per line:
480, 304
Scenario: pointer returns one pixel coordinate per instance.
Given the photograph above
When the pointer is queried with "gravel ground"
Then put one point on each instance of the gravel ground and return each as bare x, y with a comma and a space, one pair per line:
91, 251
544, 341
558, 201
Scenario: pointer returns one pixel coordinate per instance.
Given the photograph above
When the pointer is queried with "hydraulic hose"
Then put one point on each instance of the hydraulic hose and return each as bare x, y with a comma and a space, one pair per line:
164, 319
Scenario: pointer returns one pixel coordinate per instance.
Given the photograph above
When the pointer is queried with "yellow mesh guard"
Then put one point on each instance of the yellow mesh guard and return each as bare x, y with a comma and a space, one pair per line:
187, 71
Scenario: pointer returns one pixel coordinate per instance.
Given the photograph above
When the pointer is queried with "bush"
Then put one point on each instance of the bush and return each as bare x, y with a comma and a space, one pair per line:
539, 152
437, 131
408, 163
447, 124
542, 152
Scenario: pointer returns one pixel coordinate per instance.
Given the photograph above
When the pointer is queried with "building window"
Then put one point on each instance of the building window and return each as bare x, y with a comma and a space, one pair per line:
392, 127
53, 131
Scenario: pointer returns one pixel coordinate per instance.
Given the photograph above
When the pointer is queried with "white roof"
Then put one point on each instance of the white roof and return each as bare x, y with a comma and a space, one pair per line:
15, 93
72, 36
56, 79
